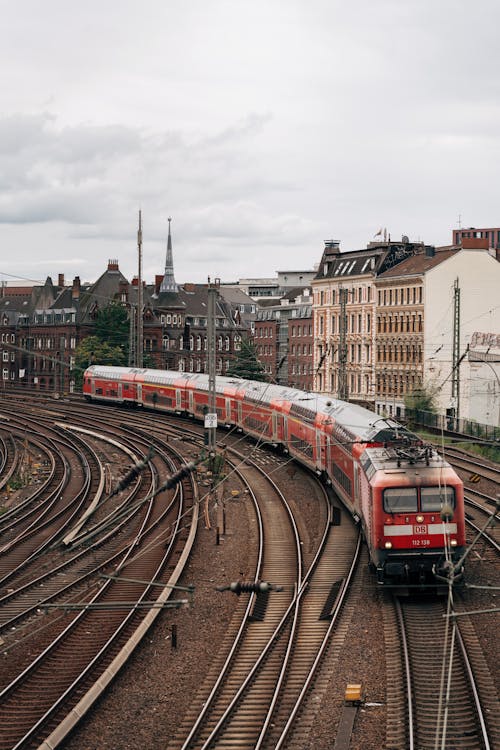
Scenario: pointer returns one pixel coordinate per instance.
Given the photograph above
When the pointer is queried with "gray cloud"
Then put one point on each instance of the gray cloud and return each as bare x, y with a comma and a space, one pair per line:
262, 128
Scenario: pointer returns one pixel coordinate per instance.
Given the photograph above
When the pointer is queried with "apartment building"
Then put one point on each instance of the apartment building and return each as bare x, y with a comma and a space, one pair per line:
344, 312
284, 339
432, 310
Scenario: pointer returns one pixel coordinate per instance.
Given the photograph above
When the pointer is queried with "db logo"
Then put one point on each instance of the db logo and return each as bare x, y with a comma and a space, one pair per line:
420, 529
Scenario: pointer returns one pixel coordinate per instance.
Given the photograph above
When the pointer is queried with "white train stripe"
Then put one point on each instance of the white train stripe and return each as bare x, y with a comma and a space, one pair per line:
409, 529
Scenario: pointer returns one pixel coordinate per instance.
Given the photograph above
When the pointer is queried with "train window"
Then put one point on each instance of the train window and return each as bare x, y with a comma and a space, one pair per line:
433, 498
400, 500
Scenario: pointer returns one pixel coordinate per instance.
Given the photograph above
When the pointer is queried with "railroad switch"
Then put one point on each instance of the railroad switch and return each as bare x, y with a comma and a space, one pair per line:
353, 698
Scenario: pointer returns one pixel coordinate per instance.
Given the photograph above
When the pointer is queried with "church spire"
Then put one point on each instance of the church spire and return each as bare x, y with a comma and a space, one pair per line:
168, 284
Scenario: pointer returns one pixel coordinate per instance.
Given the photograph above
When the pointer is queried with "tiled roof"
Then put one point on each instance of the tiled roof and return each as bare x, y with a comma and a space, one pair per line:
419, 263
370, 261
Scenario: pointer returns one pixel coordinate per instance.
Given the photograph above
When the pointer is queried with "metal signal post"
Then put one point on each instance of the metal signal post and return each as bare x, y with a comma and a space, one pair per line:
211, 415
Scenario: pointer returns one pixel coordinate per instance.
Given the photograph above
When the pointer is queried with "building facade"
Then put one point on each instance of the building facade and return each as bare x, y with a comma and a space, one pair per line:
490, 235
284, 340
345, 318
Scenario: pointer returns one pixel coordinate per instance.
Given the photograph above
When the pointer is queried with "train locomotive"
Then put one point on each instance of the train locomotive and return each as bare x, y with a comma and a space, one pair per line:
407, 498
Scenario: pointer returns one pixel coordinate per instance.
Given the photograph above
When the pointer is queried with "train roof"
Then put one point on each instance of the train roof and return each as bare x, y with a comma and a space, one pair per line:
394, 457
356, 421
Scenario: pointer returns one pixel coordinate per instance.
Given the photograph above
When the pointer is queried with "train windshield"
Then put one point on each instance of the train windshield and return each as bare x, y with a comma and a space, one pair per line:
433, 498
400, 500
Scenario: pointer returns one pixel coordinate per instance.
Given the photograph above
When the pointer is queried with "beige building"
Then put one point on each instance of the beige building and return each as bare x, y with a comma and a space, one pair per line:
398, 317
345, 317
429, 310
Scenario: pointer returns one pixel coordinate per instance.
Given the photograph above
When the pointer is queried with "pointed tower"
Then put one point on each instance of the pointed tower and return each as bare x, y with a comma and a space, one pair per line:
168, 284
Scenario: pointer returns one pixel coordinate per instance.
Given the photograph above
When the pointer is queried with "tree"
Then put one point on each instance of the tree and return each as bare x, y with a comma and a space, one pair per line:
420, 404
112, 325
246, 364
94, 351
421, 399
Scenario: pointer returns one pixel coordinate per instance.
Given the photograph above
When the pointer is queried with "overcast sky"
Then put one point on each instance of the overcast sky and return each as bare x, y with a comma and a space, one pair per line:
262, 127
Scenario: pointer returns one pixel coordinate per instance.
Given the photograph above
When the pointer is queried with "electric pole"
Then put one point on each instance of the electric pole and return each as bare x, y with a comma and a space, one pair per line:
455, 380
211, 415
343, 388
140, 321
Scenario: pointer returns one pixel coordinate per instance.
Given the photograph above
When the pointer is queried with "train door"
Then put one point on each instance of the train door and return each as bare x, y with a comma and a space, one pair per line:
285, 433
319, 456
178, 399
240, 417
139, 393
228, 411
120, 392
328, 455
191, 402
275, 426
356, 483
322, 452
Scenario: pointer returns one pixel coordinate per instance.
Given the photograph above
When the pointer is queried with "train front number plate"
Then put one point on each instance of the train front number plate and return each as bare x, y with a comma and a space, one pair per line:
420, 529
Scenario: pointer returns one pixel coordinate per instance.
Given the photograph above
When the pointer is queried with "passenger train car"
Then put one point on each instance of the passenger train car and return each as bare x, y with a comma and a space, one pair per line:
407, 498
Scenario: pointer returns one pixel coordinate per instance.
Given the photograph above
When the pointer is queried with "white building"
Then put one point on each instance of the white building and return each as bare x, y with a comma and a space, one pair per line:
461, 297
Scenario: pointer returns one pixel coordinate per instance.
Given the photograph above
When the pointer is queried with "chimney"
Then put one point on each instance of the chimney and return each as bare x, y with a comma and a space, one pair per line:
60, 279
158, 280
430, 251
135, 281
75, 292
123, 291
113, 265
333, 247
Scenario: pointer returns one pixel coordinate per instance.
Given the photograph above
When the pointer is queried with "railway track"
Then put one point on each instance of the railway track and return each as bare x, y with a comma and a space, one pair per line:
449, 702
88, 639
472, 464
310, 626
253, 697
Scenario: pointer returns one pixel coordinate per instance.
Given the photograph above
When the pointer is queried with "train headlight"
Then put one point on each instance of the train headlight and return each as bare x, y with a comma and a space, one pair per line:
419, 519
453, 543
388, 545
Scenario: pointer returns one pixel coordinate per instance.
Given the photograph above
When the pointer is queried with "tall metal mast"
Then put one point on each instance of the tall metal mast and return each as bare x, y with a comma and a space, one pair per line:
455, 380
211, 416
343, 389
140, 321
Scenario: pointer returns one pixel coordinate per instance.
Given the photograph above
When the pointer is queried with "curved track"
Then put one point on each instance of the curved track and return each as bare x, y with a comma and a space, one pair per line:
92, 628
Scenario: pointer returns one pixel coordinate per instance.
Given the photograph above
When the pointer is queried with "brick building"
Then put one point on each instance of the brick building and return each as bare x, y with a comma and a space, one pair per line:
284, 341
42, 325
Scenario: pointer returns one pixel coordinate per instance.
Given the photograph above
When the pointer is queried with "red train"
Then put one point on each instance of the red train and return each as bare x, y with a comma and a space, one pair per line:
408, 499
